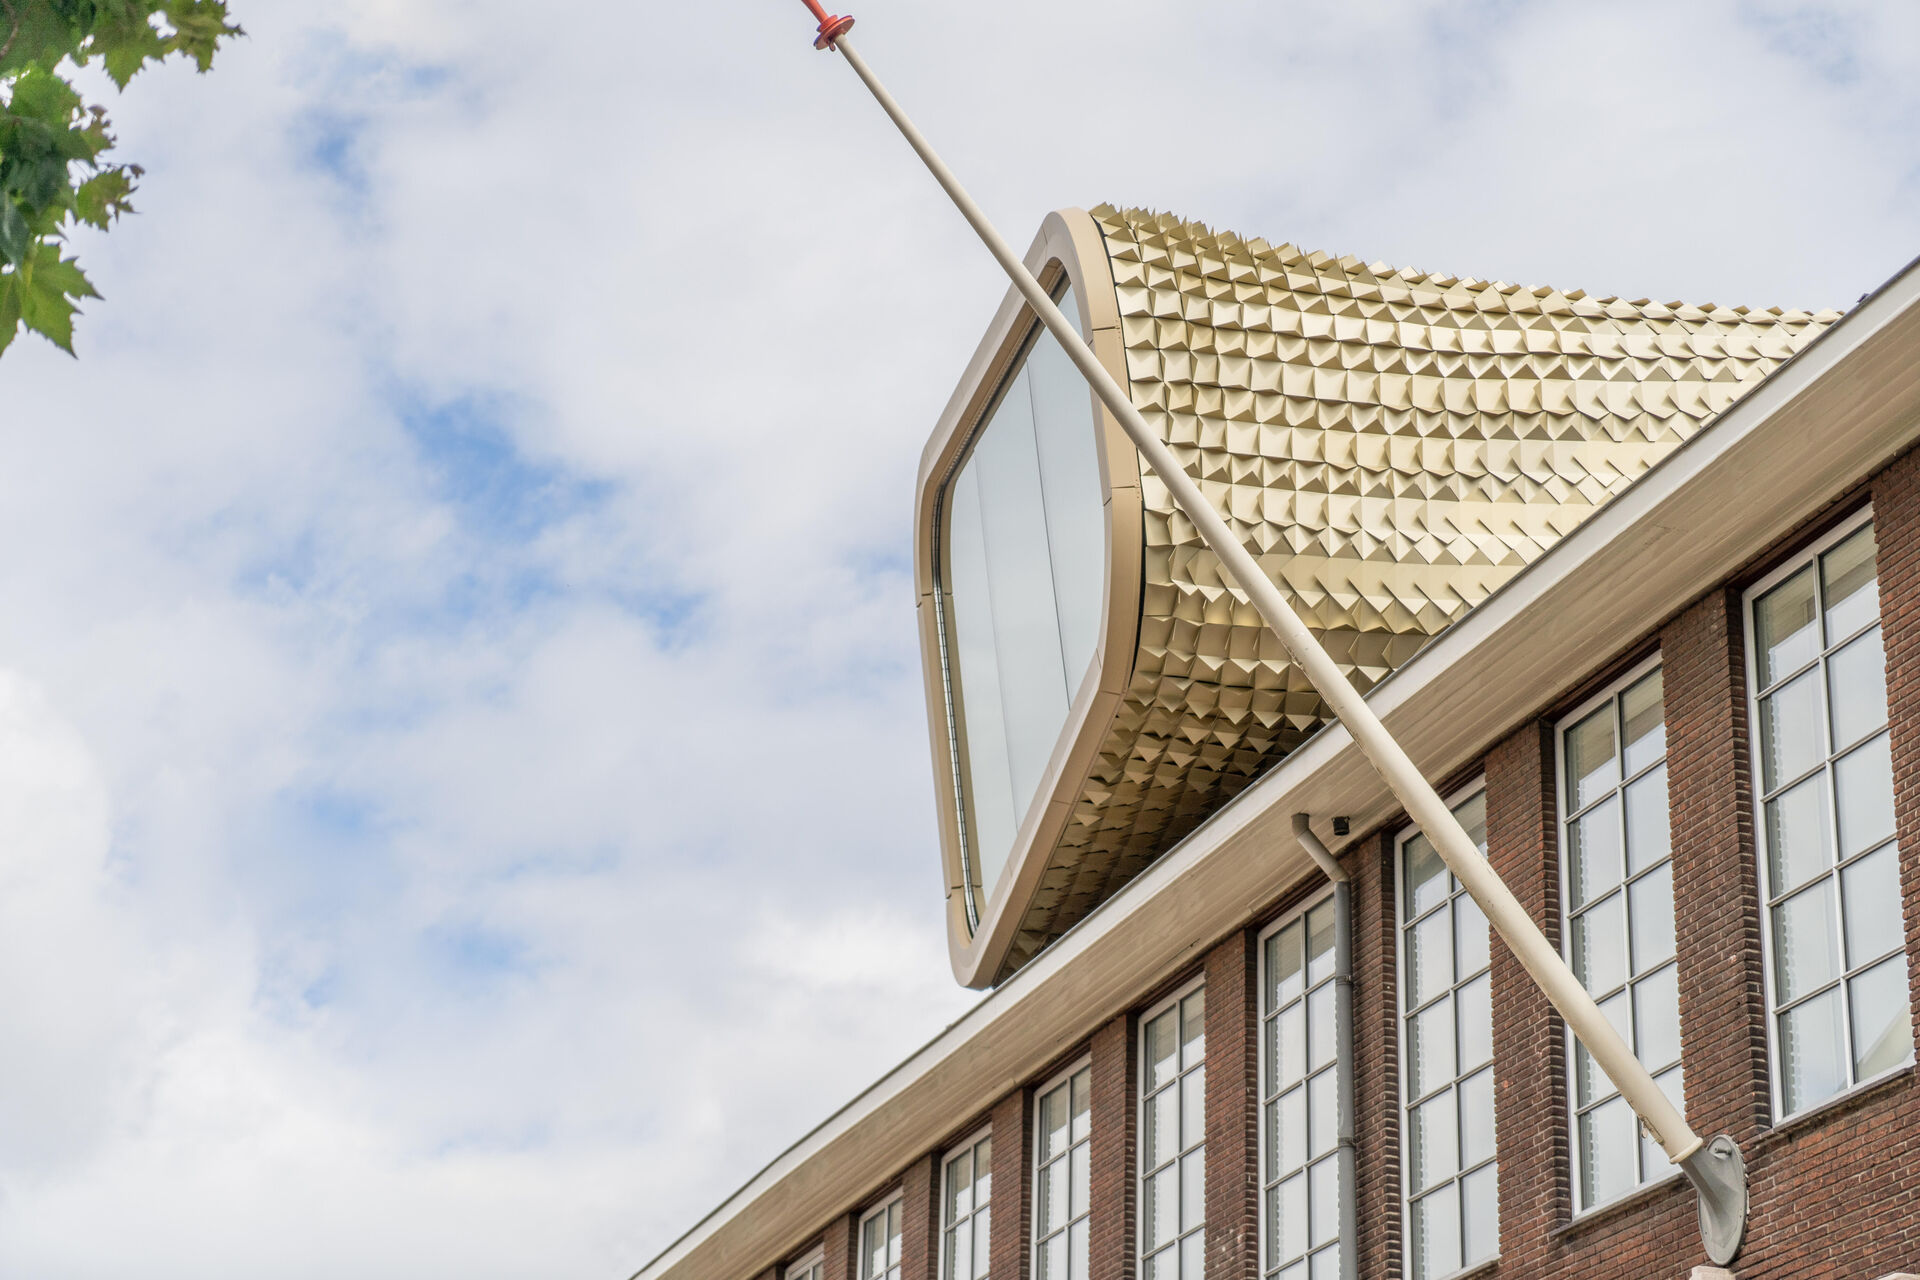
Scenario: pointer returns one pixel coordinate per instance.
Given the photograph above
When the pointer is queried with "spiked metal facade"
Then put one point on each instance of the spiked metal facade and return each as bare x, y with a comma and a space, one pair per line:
1392, 445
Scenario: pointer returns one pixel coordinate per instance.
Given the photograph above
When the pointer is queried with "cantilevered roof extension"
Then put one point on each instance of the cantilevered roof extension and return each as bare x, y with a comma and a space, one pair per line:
1393, 445
1814, 429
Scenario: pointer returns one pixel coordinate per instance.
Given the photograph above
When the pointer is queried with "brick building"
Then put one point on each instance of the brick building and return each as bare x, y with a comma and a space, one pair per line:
1639, 583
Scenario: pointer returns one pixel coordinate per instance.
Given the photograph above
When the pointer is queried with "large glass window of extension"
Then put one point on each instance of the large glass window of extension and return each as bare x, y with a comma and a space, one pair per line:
966, 1212
1617, 898
1062, 1173
1022, 577
880, 1242
1451, 1179
1299, 1099
1173, 1131
1830, 871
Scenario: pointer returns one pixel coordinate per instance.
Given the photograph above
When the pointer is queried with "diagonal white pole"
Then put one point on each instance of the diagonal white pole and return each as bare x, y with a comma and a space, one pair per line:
1716, 1168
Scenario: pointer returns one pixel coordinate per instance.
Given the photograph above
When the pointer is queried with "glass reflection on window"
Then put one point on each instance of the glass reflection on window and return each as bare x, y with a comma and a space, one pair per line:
1024, 571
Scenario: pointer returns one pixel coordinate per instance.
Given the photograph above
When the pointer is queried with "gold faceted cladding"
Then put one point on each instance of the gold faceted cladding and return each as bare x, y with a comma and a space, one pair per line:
1392, 446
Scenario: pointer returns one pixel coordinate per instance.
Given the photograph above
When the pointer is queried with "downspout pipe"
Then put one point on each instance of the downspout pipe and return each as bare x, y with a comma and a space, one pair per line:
1716, 1169
1346, 1129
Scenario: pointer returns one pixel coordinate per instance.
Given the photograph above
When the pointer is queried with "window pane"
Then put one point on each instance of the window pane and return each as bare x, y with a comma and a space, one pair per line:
1863, 787
1472, 816
1322, 1028
1592, 758
1161, 1211
982, 1241
1082, 1085
1475, 1003
1853, 597
1290, 1119
1077, 1251
1797, 836
1193, 1190
1472, 938
1656, 1018
1193, 1028
1053, 1123
1323, 1114
1785, 637
1161, 1140
1857, 689
1429, 958
1080, 1168
1650, 903
1324, 1184
1193, 1108
1870, 888
1434, 1143
1326, 1264
1480, 1206
1811, 1064
1600, 945
1653, 1161
1053, 1259
1436, 1234
1806, 954
1320, 942
1290, 1047
1607, 1141
1193, 1257
1644, 710
1649, 837
1593, 851
1163, 1048
1051, 1211
960, 1253
1284, 971
1476, 1119
1428, 883
959, 1187
1589, 1081
1430, 1049
1882, 1021
1295, 1226
1790, 739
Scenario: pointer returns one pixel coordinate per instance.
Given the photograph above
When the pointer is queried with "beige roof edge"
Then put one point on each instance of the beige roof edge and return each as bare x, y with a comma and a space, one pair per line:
1830, 416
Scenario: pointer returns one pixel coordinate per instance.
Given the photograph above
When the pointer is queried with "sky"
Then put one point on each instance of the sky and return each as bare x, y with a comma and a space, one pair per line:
465, 801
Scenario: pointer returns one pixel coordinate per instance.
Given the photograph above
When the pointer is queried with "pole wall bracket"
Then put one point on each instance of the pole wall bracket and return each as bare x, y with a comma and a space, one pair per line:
1719, 1175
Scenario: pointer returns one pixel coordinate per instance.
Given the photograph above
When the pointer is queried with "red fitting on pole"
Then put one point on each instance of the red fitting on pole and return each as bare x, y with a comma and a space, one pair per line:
831, 27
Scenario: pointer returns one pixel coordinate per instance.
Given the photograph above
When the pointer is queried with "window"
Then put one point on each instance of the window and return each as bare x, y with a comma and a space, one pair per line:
1299, 1098
1451, 1179
966, 1213
814, 1267
1829, 868
1173, 1153
1022, 576
1617, 904
1062, 1144
880, 1242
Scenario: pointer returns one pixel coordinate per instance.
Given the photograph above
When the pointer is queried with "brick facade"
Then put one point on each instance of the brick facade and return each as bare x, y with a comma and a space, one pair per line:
1836, 1192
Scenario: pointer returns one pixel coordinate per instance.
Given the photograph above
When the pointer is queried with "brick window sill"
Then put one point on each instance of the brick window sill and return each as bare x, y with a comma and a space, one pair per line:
1612, 1209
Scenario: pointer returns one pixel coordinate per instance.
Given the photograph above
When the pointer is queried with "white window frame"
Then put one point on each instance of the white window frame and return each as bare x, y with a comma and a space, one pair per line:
1140, 1173
1563, 811
941, 1225
893, 1200
804, 1269
1261, 1069
1453, 800
1039, 1236
1806, 556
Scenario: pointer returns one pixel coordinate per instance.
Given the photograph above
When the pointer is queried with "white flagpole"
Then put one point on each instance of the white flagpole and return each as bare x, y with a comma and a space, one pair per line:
1716, 1168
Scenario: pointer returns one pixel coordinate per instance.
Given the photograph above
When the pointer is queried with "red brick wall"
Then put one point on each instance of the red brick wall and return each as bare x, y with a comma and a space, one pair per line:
1012, 1185
841, 1241
920, 1219
1232, 1239
1110, 1158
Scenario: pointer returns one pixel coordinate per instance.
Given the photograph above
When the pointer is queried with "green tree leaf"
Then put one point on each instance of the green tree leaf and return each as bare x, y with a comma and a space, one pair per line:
54, 171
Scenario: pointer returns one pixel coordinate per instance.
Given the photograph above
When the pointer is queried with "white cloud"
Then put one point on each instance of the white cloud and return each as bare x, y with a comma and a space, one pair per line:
463, 790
